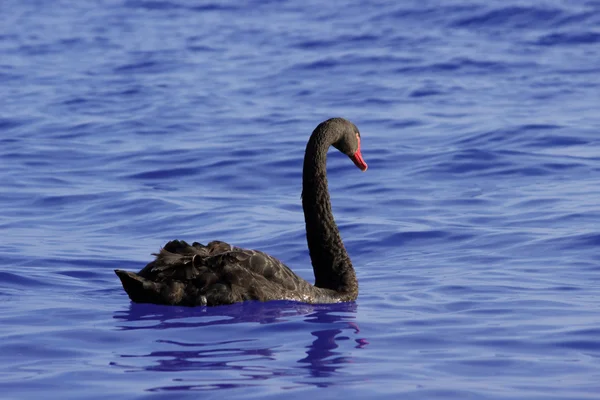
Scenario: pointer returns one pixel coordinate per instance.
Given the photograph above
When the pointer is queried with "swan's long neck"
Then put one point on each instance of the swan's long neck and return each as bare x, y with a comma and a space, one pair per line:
331, 263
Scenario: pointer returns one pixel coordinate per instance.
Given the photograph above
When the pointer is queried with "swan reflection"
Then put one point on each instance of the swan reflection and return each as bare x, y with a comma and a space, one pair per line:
200, 353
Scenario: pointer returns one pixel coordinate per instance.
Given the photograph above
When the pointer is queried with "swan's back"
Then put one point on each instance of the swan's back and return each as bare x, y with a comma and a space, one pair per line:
215, 274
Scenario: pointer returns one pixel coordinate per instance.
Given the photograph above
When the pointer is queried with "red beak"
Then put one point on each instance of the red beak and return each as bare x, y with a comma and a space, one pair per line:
357, 158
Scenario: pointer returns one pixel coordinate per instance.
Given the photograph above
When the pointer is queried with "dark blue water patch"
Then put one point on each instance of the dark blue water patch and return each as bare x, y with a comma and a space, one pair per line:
19, 279
569, 39
563, 288
76, 101
8, 37
149, 67
81, 274
463, 65
150, 63
562, 166
374, 64
202, 48
39, 351
378, 101
39, 50
164, 173
72, 42
398, 123
476, 154
534, 204
153, 5
8, 124
479, 367
132, 207
321, 64
509, 344
218, 6
539, 127
10, 75
99, 266
359, 39
581, 240
472, 167
549, 141
429, 393
65, 200
592, 332
583, 345
423, 238
158, 5
511, 17
434, 13
425, 93
518, 134
519, 171
579, 217
588, 17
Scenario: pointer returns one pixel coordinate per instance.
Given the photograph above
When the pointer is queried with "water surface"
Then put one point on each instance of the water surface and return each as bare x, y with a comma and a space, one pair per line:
125, 124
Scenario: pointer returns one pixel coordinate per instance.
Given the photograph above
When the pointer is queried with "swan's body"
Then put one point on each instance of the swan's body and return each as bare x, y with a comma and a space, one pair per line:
219, 273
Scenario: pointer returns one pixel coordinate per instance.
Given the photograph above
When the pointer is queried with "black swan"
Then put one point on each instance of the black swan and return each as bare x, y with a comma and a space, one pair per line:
218, 273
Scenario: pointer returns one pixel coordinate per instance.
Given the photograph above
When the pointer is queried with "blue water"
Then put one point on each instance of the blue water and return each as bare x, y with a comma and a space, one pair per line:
475, 232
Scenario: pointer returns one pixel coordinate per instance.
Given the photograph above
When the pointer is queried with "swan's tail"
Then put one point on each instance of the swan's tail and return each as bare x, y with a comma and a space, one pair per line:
140, 290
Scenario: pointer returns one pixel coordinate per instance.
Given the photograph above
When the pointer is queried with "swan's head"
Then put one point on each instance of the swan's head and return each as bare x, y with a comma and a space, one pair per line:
348, 140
